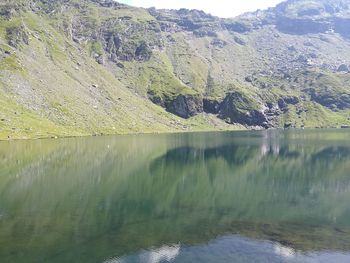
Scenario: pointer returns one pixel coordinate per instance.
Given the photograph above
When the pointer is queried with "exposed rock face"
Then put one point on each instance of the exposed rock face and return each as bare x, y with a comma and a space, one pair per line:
236, 26
185, 106
17, 35
300, 17
236, 109
285, 101
211, 106
199, 22
302, 26
343, 68
331, 100
143, 52
117, 39
108, 3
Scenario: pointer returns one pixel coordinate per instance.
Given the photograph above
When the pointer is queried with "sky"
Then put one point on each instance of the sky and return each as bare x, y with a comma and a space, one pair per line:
221, 8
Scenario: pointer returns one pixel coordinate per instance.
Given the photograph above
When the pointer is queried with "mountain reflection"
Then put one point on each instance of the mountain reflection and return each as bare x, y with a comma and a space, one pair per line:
100, 198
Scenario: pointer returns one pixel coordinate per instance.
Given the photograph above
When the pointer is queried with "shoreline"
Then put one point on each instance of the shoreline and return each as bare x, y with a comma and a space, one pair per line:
56, 137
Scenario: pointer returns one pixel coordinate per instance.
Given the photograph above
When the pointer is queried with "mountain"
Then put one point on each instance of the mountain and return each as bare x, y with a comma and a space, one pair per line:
85, 67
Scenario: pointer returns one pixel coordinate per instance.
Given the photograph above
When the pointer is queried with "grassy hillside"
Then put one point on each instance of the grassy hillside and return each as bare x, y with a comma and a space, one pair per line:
51, 86
89, 67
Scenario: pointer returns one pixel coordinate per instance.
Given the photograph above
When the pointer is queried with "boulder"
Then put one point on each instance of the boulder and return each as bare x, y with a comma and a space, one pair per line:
343, 68
239, 41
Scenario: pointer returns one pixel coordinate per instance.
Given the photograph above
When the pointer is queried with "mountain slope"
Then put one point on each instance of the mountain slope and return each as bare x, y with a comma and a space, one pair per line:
85, 67
51, 86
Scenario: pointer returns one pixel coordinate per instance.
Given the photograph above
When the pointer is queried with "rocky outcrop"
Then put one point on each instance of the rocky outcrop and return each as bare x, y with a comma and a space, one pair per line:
285, 101
211, 106
236, 108
8, 11
343, 68
143, 52
236, 26
331, 101
17, 35
185, 106
301, 26
199, 22
108, 3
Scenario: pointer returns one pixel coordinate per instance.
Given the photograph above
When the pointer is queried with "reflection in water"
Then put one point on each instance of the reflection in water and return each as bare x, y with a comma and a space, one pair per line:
131, 198
233, 249
165, 253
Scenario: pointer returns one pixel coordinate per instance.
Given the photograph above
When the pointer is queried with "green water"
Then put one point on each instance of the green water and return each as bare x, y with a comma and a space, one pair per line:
268, 196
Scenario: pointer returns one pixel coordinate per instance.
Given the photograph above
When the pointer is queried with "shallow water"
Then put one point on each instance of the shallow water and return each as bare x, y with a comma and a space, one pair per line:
267, 196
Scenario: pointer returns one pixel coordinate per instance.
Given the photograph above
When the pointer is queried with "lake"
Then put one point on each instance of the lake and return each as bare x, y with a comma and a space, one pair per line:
257, 196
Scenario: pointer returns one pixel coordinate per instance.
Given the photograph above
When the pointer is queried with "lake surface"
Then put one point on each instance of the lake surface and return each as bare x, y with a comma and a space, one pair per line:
264, 196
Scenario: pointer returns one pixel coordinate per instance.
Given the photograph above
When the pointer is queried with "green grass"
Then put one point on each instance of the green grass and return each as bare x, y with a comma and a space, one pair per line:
54, 87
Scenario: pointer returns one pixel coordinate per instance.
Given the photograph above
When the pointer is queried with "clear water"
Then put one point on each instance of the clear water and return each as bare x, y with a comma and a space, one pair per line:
268, 196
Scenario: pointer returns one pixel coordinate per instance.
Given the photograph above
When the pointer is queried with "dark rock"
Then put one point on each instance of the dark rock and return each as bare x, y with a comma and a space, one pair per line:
302, 59
239, 41
236, 108
283, 105
218, 43
211, 106
343, 68
333, 101
108, 3
287, 76
188, 24
306, 59
312, 55
249, 79
288, 125
308, 44
113, 44
291, 100
238, 27
204, 33
100, 60
300, 26
292, 49
143, 52
7, 12
185, 106
156, 99
309, 12
17, 35
120, 65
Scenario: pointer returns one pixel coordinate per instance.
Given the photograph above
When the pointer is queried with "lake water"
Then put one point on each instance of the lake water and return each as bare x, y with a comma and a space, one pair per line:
264, 196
